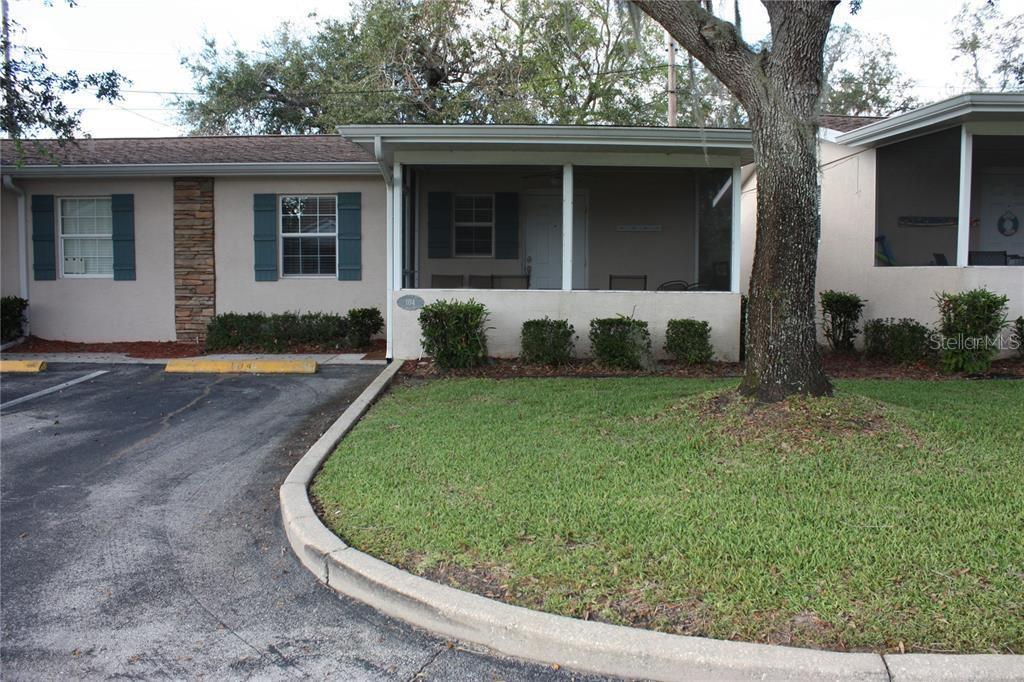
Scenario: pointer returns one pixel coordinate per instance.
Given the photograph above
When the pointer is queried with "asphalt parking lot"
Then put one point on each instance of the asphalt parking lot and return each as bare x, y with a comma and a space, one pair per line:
140, 535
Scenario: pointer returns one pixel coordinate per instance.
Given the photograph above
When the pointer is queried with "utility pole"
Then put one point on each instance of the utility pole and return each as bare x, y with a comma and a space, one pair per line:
6, 37
673, 100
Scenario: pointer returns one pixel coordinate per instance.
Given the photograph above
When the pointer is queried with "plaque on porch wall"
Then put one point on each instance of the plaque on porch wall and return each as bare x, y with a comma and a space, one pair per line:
638, 228
927, 221
410, 302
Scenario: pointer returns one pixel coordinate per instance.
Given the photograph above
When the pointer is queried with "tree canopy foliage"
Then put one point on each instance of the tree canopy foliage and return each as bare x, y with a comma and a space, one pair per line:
33, 95
445, 61
989, 46
492, 61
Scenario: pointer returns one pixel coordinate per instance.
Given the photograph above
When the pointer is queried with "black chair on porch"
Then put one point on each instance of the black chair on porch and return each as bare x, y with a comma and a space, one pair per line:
510, 281
986, 258
627, 282
447, 282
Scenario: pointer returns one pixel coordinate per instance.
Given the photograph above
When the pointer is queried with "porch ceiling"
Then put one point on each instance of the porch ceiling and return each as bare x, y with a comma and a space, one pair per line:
385, 140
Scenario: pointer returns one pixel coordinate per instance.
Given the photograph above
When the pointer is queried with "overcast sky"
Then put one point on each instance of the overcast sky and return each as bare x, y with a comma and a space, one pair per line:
145, 39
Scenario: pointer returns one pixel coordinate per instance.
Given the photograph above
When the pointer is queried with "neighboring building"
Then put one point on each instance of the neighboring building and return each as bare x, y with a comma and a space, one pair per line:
930, 200
146, 239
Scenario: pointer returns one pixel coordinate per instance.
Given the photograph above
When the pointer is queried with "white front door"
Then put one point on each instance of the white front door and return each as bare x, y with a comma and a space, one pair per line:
1001, 224
543, 240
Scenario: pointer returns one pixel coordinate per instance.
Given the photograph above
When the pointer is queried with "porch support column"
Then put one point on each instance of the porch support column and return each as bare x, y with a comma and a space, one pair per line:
734, 251
567, 226
963, 231
398, 227
389, 267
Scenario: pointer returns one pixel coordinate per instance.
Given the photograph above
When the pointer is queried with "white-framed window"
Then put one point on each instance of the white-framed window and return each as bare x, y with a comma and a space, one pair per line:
309, 235
86, 237
473, 225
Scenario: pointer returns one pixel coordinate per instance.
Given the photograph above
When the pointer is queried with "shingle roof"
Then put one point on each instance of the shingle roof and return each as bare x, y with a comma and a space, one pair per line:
187, 150
845, 124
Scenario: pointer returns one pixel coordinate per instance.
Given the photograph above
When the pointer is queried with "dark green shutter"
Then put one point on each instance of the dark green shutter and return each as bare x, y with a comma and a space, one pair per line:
264, 234
44, 241
122, 210
350, 236
506, 225
439, 225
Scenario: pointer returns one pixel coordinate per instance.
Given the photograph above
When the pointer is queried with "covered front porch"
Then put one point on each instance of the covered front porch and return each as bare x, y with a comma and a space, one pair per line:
569, 223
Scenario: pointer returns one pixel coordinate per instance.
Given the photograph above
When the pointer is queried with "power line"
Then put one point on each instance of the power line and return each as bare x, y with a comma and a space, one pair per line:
394, 89
148, 118
407, 89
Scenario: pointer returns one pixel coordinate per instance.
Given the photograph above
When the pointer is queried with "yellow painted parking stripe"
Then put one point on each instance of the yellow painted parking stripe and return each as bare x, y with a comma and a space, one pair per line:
25, 366
189, 366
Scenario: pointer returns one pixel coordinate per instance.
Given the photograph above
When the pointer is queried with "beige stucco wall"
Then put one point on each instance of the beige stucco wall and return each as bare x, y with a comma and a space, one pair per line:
237, 290
9, 266
100, 309
846, 253
509, 310
748, 230
663, 196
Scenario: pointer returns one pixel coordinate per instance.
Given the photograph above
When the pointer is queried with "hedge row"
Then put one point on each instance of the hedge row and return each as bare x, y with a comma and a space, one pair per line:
260, 332
454, 333
966, 338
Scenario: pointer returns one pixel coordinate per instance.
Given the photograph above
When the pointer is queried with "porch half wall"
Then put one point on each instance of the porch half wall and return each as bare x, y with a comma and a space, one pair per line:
509, 309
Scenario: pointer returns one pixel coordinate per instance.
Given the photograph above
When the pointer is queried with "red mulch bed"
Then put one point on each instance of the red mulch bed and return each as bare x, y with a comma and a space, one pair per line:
164, 349
837, 367
133, 349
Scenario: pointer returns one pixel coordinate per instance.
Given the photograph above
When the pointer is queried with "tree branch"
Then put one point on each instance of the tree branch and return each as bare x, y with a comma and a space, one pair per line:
799, 30
711, 40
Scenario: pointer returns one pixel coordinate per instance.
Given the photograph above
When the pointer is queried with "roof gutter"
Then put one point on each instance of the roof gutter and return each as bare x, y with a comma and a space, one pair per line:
184, 169
950, 110
572, 136
22, 238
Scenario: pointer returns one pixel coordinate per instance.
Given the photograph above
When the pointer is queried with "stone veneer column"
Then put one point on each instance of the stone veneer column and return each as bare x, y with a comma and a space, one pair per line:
194, 269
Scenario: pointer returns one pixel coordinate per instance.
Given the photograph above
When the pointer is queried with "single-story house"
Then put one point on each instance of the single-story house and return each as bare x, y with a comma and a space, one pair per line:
146, 239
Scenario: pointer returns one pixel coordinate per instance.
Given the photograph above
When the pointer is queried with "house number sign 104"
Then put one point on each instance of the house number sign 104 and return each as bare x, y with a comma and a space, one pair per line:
410, 302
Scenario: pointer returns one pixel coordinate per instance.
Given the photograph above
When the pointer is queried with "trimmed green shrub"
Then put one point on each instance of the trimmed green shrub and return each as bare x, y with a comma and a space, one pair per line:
904, 341
621, 342
363, 323
840, 313
282, 332
689, 341
970, 323
1017, 336
454, 333
547, 341
12, 317
230, 331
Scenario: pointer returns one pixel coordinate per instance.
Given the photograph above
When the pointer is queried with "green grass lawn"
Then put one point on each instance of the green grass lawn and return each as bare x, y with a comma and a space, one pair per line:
893, 515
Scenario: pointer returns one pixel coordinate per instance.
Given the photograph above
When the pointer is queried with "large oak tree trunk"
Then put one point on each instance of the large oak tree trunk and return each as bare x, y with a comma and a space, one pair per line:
779, 87
782, 348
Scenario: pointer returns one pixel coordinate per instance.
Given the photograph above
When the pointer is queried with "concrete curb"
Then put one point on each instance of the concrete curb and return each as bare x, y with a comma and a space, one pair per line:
581, 645
22, 366
189, 366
